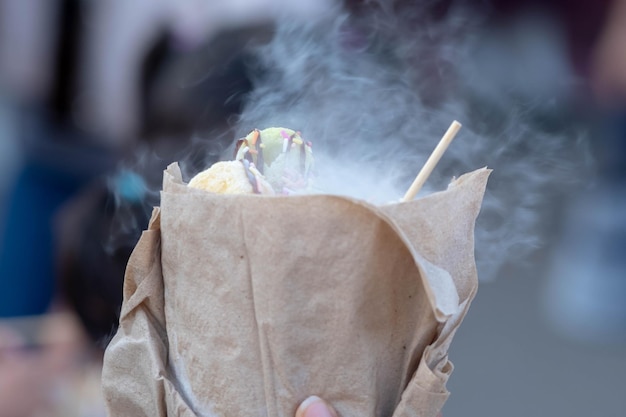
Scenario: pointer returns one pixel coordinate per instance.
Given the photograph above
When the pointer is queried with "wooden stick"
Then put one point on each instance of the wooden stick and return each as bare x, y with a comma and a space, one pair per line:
432, 161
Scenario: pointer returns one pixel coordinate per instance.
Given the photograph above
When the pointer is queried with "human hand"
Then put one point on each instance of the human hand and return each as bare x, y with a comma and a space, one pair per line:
316, 407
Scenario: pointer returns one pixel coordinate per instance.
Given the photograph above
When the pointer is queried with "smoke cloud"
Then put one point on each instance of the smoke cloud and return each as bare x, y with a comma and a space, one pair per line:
375, 91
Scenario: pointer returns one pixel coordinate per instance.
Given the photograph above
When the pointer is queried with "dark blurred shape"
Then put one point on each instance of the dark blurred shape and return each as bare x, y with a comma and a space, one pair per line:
26, 261
184, 93
582, 21
198, 90
91, 268
64, 91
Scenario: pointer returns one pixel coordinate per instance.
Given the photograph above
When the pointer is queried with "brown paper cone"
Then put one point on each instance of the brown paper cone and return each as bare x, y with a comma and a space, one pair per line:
246, 305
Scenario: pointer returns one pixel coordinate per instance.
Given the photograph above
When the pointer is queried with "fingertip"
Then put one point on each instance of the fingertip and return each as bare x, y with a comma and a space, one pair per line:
314, 406
300, 412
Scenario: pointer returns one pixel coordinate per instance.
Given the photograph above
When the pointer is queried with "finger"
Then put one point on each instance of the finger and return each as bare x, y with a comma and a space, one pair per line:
315, 407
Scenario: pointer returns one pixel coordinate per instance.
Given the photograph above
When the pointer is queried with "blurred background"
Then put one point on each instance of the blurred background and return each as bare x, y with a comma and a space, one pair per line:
97, 98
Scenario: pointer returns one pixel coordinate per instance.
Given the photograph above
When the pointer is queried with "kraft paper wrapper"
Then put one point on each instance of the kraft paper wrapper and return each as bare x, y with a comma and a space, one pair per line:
245, 305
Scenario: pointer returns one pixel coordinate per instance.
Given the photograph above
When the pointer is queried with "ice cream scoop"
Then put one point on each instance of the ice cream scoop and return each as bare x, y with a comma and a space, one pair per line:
281, 154
232, 177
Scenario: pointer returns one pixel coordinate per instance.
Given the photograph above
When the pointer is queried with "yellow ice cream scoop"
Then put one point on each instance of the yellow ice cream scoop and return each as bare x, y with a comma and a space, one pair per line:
231, 177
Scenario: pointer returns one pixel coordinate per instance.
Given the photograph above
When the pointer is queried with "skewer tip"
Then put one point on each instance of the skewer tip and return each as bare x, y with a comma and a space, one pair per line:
443, 144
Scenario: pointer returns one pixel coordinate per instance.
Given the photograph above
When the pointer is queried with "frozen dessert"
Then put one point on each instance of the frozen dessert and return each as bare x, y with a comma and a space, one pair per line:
281, 155
269, 161
232, 177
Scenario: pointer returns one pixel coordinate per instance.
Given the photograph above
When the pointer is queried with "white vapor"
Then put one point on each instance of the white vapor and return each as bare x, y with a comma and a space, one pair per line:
375, 92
